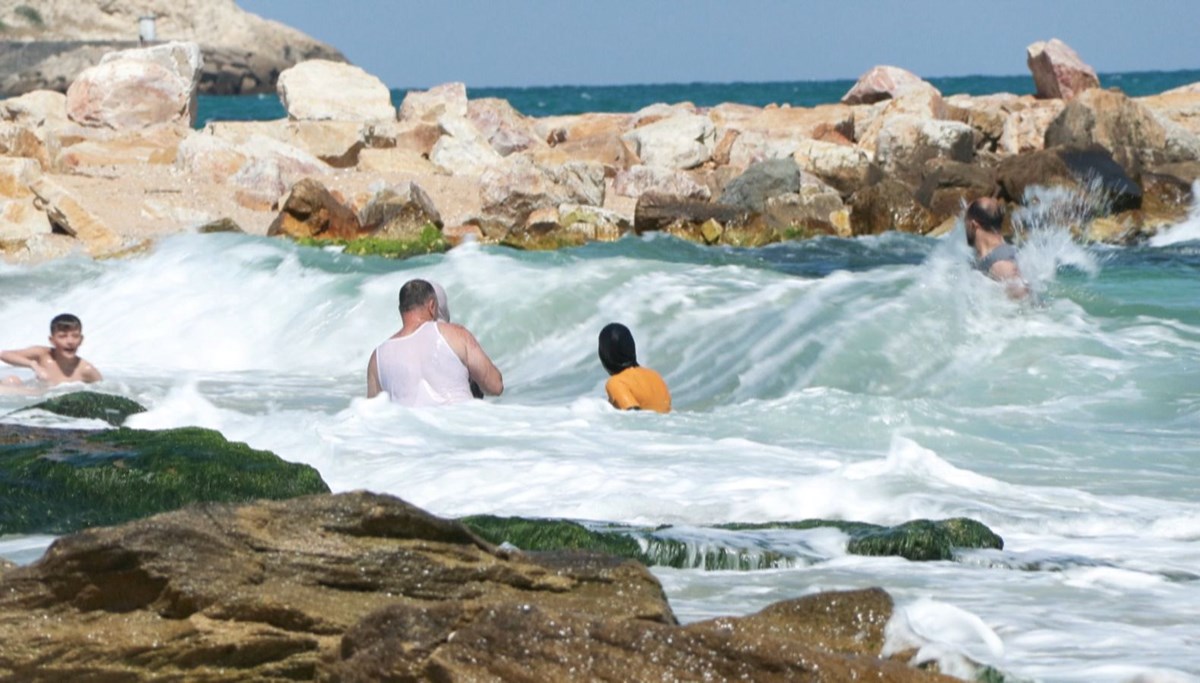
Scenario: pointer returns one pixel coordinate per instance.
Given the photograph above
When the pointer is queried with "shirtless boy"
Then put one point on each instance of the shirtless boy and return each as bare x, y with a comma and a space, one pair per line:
58, 363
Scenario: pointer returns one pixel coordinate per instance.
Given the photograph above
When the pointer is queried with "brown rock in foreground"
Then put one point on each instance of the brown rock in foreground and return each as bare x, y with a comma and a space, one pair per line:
226, 593
361, 586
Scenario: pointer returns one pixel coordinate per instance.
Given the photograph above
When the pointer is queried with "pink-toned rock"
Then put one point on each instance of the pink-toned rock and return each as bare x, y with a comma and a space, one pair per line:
608, 150
881, 83
503, 126
1057, 70
513, 191
922, 100
138, 88
322, 90
431, 105
640, 180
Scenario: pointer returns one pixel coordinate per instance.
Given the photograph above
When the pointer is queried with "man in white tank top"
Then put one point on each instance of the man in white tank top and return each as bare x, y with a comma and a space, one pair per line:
427, 362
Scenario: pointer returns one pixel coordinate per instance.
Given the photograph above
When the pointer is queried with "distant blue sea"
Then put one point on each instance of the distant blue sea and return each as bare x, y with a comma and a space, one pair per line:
576, 99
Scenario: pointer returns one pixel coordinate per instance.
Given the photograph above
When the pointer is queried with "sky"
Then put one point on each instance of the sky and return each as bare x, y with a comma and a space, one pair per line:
493, 43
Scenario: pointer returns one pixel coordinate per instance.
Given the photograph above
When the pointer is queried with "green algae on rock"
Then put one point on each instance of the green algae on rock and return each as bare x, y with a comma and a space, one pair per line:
431, 241
918, 540
553, 534
93, 405
56, 481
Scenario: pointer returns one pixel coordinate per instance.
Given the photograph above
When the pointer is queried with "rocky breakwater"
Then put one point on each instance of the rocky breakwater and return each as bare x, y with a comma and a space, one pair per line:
360, 586
346, 166
45, 45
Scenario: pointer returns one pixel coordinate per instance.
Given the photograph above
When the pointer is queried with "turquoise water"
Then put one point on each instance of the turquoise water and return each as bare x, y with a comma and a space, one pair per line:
569, 99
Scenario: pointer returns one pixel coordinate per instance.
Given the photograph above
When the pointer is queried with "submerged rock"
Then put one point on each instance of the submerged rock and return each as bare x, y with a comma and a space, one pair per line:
92, 405
55, 481
918, 540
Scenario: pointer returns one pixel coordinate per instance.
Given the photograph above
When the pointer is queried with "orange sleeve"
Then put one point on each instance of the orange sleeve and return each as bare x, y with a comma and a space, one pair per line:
619, 394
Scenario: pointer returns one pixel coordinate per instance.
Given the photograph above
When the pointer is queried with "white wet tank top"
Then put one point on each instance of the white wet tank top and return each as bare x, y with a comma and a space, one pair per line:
421, 369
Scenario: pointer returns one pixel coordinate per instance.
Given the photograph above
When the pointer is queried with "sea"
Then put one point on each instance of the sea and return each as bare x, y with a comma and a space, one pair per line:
877, 379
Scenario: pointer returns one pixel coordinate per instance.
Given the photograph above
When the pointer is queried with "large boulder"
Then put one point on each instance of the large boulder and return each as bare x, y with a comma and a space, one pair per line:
274, 590
138, 88
640, 180
844, 167
322, 90
881, 83
1091, 170
310, 211
1057, 70
402, 212
760, 182
1132, 132
677, 142
503, 126
948, 186
888, 205
906, 143
337, 143
67, 214
820, 638
429, 106
35, 108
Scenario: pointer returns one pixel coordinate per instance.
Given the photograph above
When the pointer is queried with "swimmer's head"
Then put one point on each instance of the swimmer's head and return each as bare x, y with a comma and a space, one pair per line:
65, 322
986, 213
416, 294
617, 350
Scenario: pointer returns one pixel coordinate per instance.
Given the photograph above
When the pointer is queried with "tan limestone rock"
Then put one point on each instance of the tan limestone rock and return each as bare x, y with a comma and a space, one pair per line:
36, 108
678, 142
429, 106
324, 90
395, 160
401, 212
310, 211
68, 214
640, 180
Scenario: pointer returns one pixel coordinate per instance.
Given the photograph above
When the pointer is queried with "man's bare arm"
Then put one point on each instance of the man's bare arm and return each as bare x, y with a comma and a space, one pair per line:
479, 367
1007, 273
373, 387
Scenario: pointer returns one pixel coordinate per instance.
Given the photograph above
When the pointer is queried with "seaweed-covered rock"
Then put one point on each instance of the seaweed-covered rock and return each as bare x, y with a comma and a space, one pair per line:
91, 405
923, 539
918, 540
552, 534
56, 481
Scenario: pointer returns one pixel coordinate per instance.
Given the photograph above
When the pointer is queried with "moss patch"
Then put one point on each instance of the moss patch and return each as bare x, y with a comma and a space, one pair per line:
56, 481
918, 540
91, 405
553, 534
431, 241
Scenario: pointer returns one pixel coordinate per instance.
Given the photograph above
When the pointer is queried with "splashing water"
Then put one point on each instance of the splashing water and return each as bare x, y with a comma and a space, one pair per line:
1045, 226
1188, 230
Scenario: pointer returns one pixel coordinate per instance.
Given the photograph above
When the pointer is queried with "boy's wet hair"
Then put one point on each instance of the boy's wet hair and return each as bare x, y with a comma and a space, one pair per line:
65, 322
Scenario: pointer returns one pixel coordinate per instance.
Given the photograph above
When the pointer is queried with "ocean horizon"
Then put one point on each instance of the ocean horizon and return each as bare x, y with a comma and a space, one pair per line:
557, 100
